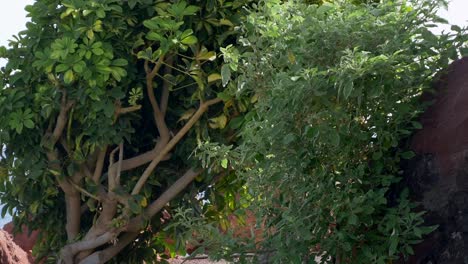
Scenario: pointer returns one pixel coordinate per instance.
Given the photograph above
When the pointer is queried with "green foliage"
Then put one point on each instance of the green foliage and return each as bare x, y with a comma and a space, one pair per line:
338, 90
90, 60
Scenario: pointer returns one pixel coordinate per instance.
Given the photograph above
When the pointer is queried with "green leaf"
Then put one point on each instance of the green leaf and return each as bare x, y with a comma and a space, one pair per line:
218, 122
61, 68
393, 245
190, 40
28, 123
69, 77
334, 137
348, 89
90, 34
224, 96
190, 10
456, 28
211, 56
120, 62
224, 163
417, 125
225, 74
377, 155
134, 206
226, 22
132, 3
353, 219
151, 24
78, 67
154, 36
408, 155
4, 210
214, 77
289, 138
186, 33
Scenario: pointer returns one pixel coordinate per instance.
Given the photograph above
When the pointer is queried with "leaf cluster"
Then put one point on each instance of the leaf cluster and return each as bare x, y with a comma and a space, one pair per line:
338, 88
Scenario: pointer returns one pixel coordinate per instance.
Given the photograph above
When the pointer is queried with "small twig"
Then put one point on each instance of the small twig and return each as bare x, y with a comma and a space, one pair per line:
184, 86
172, 67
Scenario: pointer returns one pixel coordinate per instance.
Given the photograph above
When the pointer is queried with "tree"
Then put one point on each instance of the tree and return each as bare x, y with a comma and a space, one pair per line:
103, 105
338, 90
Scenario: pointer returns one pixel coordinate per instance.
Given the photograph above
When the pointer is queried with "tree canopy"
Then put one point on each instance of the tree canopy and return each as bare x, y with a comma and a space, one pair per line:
128, 127
96, 97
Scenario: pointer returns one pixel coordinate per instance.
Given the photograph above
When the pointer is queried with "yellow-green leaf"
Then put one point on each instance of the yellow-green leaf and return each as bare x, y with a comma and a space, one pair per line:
69, 77
224, 163
226, 22
218, 122
186, 115
190, 40
214, 77
211, 56
143, 202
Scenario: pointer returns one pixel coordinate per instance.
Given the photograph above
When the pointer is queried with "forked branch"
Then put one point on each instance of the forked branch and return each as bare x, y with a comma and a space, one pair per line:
171, 144
157, 113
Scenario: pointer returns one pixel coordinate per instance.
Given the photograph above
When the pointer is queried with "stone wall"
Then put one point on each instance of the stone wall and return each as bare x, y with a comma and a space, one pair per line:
438, 175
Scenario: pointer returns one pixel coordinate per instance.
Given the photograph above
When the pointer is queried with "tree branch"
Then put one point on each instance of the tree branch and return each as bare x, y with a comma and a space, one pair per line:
166, 86
112, 171
158, 115
136, 224
129, 109
196, 116
141, 159
73, 208
68, 252
110, 252
99, 165
119, 165
83, 191
61, 119
172, 191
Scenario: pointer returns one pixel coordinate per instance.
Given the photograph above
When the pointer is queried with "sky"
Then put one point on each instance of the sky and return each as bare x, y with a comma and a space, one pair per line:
13, 19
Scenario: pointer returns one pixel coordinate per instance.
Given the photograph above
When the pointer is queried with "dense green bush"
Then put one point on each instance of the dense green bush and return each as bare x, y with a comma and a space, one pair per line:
338, 88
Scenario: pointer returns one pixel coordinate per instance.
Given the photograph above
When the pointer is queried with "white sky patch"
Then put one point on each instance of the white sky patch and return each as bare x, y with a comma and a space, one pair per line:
457, 14
12, 20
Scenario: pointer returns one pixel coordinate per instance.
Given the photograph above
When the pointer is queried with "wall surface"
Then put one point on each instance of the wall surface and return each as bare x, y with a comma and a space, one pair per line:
438, 175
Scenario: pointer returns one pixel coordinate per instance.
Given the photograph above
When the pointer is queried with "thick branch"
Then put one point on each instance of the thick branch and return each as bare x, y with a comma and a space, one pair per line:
73, 208
107, 254
112, 171
61, 119
68, 252
158, 115
56, 168
172, 192
166, 86
72, 197
141, 159
99, 165
136, 224
196, 116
